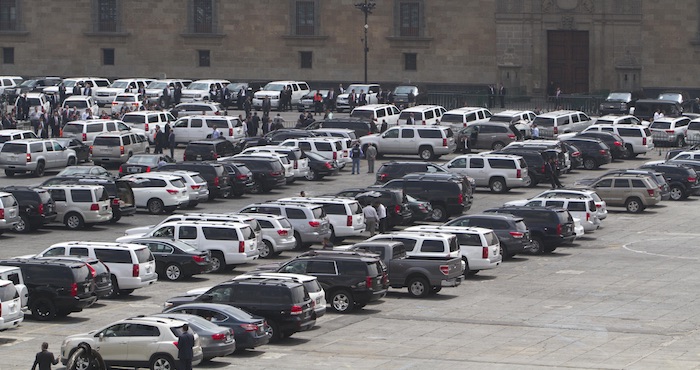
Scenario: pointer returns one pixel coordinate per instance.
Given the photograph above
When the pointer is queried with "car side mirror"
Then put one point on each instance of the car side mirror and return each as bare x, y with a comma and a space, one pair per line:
206, 298
102, 336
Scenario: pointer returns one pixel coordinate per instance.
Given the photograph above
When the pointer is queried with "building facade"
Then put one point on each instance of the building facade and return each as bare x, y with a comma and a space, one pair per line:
529, 45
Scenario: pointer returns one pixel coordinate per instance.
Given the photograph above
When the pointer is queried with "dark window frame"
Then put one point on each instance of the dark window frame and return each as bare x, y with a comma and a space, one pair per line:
306, 59
410, 61
203, 58
108, 56
304, 18
10, 16
409, 19
107, 16
8, 55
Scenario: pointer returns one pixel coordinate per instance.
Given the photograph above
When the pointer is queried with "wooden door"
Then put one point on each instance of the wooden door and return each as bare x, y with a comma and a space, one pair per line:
567, 60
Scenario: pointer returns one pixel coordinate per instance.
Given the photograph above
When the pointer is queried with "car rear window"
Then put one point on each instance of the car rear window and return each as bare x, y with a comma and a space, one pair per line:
544, 121
198, 179
373, 269
491, 238
107, 141
75, 103
113, 255
430, 134
132, 118
312, 286
319, 212
81, 272
178, 183
285, 223
8, 201
299, 294
577, 206
73, 128
8, 292
660, 125
221, 233
143, 255
324, 147
355, 208
14, 148
564, 217
357, 113
452, 118
334, 209
247, 233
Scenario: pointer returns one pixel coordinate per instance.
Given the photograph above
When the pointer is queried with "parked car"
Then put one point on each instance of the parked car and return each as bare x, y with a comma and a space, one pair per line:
141, 163
449, 194
395, 201
215, 174
209, 150
593, 151
268, 173
429, 142
635, 192
36, 207
670, 130
158, 192
240, 177
683, 181
9, 212
310, 222
397, 169
99, 271
11, 314
175, 259
549, 227
34, 156
215, 340
617, 102
498, 172
320, 167
485, 135
513, 234
80, 205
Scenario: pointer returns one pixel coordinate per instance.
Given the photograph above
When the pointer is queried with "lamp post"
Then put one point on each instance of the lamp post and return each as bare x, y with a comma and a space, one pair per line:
366, 7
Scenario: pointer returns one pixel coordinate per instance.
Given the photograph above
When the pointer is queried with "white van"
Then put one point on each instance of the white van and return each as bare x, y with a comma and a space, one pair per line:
199, 90
378, 113
423, 115
345, 215
328, 148
459, 118
132, 266
198, 127
273, 90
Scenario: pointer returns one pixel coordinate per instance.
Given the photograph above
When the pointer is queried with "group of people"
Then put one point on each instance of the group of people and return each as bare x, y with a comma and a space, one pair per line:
375, 217
356, 154
499, 91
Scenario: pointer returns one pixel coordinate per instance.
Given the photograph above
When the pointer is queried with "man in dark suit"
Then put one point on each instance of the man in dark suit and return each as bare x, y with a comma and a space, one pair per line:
76, 89
61, 93
45, 359
177, 95
502, 95
185, 345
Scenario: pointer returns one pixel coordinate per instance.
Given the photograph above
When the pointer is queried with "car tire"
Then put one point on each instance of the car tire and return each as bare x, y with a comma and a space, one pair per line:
115, 288
265, 250
678, 193
634, 205
533, 182
498, 185
162, 362
497, 146
43, 310
71, 161
218, 262
310, 176
436, 289
173, 272
589, 163
425, 153
155, 206
537, 245
439, 213
9, 173
276, 334
628, 152
419, 287
192, 204
342, 301
527, 181
23, 226
115, 218
39, 170
74, 221
169, 210
300, 243
125, 291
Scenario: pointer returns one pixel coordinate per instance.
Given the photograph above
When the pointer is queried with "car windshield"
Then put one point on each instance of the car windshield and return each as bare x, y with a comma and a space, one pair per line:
34, 102
452, 118
198, 86
119, 85
75, 170
619, 96
75, 103
274, 87
403, 89
14, 148
671, 96
133, 118
28, 83
157, 85
143, 159
106, 141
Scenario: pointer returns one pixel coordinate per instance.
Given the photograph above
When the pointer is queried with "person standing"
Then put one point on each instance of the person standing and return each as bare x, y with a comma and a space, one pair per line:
371, 218
381, 213
266, 124
384, 126
318, 103
266, 105
535, 132
185, 347
278, 122
410, 120
61, 93
355, 155
502, 95
254, 125
45, 359
171, 143
550, 169
330, 100
352, 99
165, 99
371, 155
492, 96
215, 134
248, 106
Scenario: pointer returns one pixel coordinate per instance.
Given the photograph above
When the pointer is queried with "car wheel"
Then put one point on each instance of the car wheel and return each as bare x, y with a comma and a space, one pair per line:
275, 333
71, 161
155, 206
218, 263
82, 361
256, 189
528, 181
436, 289
677, 193
634, 205
173, 272
537, 246
627, 152
162, 362
265, 249
74, 221
418, 287
498, 185
425, 153
589, 164
39, 170
311, 175
533, 182
300, 243
439, 213
503, 252
125, 291
115, 288
115, 218
342, 301
169, 210
497, 146
23, 225
9, 173
43, 309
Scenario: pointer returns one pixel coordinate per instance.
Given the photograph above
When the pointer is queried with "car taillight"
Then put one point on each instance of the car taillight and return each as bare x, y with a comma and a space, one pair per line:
41, 208
195, 187
92, 270
588, 216
217, 113
2, 214
669, 131
74, 290
135, 270
368, 282
617, 143
241, 246
397, 209
84, 137
218, 336
518, 174
114, 103
230, 131
423, 122
445, 269
511, 136
603, 151
484, 252
692, 179
115, 201
328, 165
282, 232
121, 149
559, 229
644, 141
542, 169
598, 205
241, 176
349, 223
335, 155
198, 259
216, 155
249, 327
90, 149
517, 234
296, 164
146, 127
94, 207
275, 173
382, 177
556, 130
173, 191
121, 169
29, 157
175, 344
184, 156
460, 198
651, 192
576, 154
444, 142
296, 310
314, 223
216, 181
148, 169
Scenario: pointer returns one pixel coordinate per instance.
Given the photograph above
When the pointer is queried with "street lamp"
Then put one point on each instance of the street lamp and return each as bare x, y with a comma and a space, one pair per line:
366, 7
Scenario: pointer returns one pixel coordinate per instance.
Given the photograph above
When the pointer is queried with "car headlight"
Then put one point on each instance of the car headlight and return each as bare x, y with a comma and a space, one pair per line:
113, 94
198, 96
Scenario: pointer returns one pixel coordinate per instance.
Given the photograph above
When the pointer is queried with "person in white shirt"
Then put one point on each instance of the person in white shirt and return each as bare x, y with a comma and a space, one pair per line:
371, 218
658, 114
381, 213
215, 134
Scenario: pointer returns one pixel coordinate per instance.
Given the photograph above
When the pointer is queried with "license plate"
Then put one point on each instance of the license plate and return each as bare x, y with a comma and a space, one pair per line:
199, 157
133, 169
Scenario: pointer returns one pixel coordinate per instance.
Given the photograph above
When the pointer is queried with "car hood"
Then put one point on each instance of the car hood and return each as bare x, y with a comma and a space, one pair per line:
108, 89
197, 292
519, 202
129, 238
81, 336
178, 300
143, 230
262, 94
269, 267
585, 182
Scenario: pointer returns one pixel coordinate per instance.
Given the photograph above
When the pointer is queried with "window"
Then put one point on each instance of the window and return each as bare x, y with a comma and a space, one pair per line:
113, 256
409, 18
476, 163
321, 267
58, 195
410, 62
434, 246
203, 16
79, 251
8, 55
216, 233
305, 18
407, 133
187, 232
108, 57
306, 59
204, 58
58, 251
295, 214
80, 195
107, 17
9, 15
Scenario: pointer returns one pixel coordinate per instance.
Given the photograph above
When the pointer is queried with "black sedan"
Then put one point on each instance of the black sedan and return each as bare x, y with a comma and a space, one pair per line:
81, 149
250, 331
420, 209
175, 259
320, 167
141, 163
618, 150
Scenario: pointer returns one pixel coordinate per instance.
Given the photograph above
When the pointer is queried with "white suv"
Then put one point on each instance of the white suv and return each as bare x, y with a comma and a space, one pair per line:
299, 160
582, 209
424, 244
80, 205
11, 314
345, 215
147, 121
152, 343
199, 90
35, 156
273, 90
499, 172
105, 95
87, 130
461, 117
131, 266
670, 130
328, 148
9, 212
154, 90
638, 139
197, 187
198, 127
277, 234
159, 192
429, 142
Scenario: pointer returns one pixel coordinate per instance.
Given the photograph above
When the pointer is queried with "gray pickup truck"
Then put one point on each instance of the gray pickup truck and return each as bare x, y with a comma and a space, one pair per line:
422, 276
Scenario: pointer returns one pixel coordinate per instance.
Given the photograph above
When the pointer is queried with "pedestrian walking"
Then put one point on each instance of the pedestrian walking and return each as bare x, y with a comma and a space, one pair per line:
381, 213
550, 169
185, 348
355, 155
171, 143
371, 155
371, 218
45, 359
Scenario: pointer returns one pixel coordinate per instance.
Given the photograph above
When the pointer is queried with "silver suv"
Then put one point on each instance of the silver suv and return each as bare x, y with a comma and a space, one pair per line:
310, 222
634, 192
499, 172
80, 205
277, 234
117, 147
35, 156
429, 142
151, 342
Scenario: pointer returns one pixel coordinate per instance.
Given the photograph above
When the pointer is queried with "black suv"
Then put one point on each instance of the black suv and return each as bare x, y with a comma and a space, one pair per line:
535, 164
615, 142
285, 305
593, 151
511, 230
240, 177
56, 288
682, 180
398, 211
448, 194
361, 126
213, 172
278, 136
349, 280
36, 207
209, 149
397, 169
121, 195
549, 227
101, 276
268, 173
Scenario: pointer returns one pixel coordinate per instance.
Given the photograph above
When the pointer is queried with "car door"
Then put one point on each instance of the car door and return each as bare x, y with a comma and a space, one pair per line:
60, 202
407, 143
141, 340
112, 343
458, 165
475, 169
196, 130
50, 155
390, 141
605, 191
